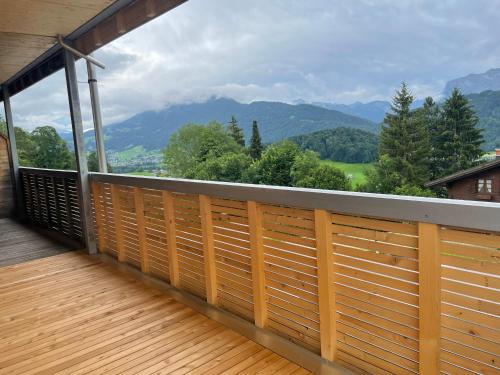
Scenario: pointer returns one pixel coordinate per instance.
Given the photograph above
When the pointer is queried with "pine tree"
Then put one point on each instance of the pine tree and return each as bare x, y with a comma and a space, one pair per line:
256, 142
458, 141
404, 144
236, 132
430, 115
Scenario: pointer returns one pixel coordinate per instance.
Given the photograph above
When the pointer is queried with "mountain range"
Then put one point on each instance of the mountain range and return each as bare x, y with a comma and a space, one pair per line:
148, 132
276, 120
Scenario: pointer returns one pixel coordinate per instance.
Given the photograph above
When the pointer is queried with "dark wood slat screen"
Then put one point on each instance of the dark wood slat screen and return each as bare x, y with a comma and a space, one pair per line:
51, 200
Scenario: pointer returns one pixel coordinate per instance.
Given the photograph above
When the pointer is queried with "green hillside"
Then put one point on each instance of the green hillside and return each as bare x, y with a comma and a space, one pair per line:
341, 144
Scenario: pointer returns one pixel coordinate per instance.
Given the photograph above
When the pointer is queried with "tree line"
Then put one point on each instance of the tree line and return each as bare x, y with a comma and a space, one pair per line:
219, 153
424, 144
44, 148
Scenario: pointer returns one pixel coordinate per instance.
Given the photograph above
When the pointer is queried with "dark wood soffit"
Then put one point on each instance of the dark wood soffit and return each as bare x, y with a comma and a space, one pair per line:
117, 24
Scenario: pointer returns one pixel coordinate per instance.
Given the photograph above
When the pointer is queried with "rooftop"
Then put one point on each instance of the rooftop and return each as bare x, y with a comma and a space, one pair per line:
465, 173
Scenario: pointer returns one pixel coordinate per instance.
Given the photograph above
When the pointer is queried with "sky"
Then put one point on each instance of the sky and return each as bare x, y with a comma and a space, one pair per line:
336, 51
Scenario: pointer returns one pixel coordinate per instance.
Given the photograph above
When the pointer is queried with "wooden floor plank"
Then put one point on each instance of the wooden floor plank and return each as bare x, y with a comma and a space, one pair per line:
18, 244
73, 314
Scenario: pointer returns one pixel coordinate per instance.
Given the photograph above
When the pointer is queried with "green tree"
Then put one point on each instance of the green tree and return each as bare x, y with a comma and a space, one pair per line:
429, 115
404, 141
93, 163
275, 165
50, 150
384, 178
236, 132
458, 140
25, 146
230, 167
415, 191
3, 126
193, 144
308, 171
255, 142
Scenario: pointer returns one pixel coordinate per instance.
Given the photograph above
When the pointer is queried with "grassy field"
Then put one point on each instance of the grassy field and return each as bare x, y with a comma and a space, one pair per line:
355, 170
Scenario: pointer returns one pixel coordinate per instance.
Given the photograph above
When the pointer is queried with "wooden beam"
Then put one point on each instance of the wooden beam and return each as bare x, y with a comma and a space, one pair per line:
169, 217
141, 229
99, 214
80, 153
122, 21
429, 261
208, 248
258, 275
117, 218
326, 294
13, 158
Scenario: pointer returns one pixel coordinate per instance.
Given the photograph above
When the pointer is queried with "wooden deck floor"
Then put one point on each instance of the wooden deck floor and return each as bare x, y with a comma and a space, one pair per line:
18, 243
72, 314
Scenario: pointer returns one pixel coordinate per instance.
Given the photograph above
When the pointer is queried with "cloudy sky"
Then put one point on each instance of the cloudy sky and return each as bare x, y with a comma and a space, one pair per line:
338, 51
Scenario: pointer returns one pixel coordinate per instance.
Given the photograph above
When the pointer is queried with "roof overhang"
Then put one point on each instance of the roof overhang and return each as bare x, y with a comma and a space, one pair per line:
29, 50
481, 168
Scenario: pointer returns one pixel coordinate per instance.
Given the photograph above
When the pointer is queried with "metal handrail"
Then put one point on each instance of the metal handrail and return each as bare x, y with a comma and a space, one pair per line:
457, 213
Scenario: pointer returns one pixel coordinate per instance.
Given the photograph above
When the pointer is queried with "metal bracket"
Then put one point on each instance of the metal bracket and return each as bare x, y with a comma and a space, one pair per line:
79, 54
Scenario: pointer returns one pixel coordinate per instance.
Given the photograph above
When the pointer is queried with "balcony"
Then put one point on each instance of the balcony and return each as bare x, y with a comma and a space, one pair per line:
106, 273
260, 278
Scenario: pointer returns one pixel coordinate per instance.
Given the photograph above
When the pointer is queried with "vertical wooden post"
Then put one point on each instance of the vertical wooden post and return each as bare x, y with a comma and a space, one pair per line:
117, 216
56, 203
141, 228
67, 203
258, 275
208, 248
326, 294
429, 266
13, 158
96, 192
169, 216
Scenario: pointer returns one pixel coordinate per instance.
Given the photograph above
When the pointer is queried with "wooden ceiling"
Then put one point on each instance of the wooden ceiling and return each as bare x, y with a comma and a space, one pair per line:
28, 28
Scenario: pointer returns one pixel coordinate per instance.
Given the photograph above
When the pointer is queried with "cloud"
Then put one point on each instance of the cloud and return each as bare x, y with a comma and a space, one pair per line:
320, 50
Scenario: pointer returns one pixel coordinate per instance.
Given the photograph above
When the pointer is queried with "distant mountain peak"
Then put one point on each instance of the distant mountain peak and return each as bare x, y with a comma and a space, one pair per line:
475, 83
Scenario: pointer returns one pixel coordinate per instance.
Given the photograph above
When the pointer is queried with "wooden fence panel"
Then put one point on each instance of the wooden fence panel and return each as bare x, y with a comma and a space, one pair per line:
376, 293
155, 234
189, 243
51, 201
109, 224
233, 256
290, 268
129, 226
470, 308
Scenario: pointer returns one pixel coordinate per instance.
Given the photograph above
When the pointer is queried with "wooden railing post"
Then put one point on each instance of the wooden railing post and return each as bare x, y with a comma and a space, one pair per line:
258, 275
429, 260
117, 216
169, 216
326, 294
141, 228
67, 203
97, 192
208, 249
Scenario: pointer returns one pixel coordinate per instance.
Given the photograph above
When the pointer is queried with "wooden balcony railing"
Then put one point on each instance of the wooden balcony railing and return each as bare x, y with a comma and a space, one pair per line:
377, 283
51, 200
398, 293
